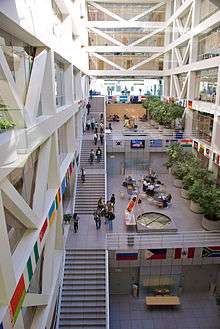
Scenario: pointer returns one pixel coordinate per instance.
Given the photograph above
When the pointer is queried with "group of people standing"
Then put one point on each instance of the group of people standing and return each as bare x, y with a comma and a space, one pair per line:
105, 211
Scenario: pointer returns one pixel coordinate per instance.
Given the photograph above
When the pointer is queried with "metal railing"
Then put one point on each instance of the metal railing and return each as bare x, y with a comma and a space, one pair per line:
107, 289
105, 152
60, 286
123, 241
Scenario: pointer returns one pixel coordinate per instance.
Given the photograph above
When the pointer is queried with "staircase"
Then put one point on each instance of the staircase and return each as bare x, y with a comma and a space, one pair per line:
88, 193
83, 301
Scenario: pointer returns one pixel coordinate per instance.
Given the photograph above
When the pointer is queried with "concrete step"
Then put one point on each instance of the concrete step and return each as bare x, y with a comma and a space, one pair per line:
83, 299
82, 294
85, 252
85, 282
100, 310
83, 316
80, 324
84, 257
84, 304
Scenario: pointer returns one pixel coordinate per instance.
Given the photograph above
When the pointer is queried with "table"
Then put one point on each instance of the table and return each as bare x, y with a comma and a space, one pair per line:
162, 300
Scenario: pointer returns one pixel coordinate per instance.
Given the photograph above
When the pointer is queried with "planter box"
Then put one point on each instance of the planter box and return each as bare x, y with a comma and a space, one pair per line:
167, 132
210, 225
195, 207
178, 183
184, 194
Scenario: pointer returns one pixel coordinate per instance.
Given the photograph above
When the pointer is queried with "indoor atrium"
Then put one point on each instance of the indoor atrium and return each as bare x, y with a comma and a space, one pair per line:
110, 164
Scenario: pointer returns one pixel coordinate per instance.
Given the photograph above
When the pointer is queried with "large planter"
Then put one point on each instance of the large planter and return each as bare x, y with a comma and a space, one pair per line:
178, 183
167, 132
184, 194
210, 225
195, 207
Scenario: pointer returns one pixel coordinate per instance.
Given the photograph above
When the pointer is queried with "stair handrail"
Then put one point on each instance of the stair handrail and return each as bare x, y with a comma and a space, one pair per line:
78, 168
60, 278
105, 151
106, 289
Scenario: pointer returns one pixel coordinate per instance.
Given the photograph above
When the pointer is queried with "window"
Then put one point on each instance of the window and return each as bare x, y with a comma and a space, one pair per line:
206, 84
59, 83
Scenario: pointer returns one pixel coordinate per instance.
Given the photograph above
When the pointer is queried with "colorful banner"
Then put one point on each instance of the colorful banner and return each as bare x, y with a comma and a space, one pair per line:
52, 213
184, 253
155, 254
43, 229
58, 199
17, 299
126, 256
186, 142
211, 252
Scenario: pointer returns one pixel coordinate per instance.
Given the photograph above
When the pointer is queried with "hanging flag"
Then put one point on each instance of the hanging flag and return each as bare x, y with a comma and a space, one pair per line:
63, 185
155, 253
186, 142
52, 213
126, 255
17, 299
211, 252
184, 253
43, 230
196, 145
58, 198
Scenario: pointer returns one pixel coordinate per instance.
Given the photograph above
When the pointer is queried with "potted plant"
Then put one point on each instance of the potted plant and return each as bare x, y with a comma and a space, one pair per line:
6, 124
211, 208
195, 193
175, 152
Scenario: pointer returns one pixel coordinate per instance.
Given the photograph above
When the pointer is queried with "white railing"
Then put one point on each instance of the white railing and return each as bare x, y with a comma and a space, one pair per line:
105, 153
106, 289
60, 286
125, 241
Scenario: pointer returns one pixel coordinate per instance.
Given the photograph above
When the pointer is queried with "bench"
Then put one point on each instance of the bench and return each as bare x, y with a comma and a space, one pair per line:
162, 300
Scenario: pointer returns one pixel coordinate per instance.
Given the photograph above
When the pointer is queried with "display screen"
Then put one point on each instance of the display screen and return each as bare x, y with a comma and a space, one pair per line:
137, 144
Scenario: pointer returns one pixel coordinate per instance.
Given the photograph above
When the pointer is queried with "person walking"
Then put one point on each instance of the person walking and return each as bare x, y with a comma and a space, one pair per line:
75, 222
88, 123
96, 127
97, 219
91, 156
88, 106
95, 138
83, 175
90, 93
98, 154
93, 123
111, 217
101, 136
101, 127
101, 204
112, 200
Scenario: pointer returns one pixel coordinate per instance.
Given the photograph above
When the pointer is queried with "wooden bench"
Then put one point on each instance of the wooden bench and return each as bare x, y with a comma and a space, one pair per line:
162, 300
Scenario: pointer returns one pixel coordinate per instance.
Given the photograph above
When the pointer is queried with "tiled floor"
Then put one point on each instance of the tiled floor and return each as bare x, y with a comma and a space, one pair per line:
197, 311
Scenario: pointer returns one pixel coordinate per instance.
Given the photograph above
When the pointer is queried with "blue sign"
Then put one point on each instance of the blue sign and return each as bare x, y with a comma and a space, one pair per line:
156, 143
179, 135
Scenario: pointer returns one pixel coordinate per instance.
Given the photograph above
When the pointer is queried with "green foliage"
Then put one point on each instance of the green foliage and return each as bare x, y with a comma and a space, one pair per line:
163, 113
211, 202
67, 218
6, 124
196, 191
175, 153
197, 181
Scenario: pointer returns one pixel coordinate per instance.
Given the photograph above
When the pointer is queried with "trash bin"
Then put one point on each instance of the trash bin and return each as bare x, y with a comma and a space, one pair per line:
134, 290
